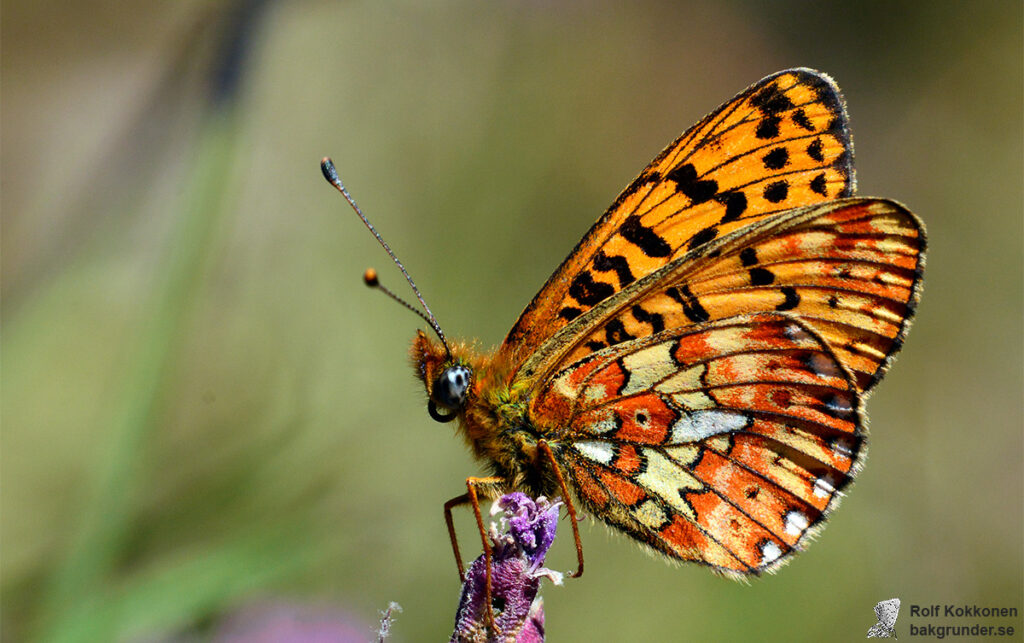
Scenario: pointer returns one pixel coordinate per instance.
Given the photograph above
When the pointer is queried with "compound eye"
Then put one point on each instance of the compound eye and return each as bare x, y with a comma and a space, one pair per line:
452, 386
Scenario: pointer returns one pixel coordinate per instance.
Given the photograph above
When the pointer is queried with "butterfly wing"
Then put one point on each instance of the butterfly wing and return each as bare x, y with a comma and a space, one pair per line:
697, 362
781, 143
851, 269
724, 443
888, 611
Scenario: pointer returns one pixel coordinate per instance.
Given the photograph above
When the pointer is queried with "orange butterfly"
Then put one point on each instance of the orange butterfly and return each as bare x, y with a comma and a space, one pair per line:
693, 374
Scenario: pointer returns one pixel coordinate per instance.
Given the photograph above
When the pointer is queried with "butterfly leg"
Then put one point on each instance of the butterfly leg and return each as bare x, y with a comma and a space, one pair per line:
546, 449
455, 502
472, 498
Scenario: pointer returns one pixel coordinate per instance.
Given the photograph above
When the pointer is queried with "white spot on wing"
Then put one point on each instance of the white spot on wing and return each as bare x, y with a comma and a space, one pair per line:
596, 450
606, 424
840, 405
685, 388
824, 486
798, 334
695, 426
665, 479
684, 455
843, 448
595, 393
650, 514
647, 367
770, 552
796, 522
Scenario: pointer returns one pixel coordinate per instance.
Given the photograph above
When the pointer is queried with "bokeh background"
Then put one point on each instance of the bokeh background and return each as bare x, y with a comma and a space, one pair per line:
206, 414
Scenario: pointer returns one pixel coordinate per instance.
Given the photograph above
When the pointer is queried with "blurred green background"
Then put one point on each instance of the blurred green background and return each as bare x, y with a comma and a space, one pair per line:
203, 406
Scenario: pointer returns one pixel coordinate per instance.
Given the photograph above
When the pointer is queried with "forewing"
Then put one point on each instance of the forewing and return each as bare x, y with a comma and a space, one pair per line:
725, 443
780, 144
887, 611
851, 269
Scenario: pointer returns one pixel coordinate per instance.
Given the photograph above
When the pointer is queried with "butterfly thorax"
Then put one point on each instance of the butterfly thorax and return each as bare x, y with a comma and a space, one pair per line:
493, 420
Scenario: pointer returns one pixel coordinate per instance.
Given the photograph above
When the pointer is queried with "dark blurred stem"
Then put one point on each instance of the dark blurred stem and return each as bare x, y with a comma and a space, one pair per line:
106, 513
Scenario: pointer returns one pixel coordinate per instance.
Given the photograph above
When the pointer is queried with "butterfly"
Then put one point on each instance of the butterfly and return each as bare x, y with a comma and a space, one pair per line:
693, 374
886, 612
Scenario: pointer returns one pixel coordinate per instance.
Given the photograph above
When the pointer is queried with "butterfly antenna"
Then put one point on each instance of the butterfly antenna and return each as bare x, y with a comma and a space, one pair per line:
370, 277
371, 280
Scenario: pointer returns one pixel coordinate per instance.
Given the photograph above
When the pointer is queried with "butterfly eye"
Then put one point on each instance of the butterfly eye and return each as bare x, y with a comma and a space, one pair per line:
451, 387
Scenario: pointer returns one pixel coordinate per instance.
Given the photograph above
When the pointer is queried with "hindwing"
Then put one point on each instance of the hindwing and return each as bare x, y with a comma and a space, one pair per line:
724, 443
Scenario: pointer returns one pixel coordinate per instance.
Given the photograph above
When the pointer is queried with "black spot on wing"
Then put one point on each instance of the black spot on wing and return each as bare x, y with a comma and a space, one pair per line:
569, 313
654, 319
835, 127
768, 128
691, 305
615, 332
589, 292
801, 120
626, 374
595, 345
791, 301
776, 192
748, 256
818, 185
644, 238
702, 237
843, 166
735, 205
814, 150
776, 159
698, 191
604, 263
761, 277
771, 101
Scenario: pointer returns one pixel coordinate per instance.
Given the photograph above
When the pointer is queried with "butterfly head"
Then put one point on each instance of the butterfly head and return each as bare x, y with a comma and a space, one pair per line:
446, 378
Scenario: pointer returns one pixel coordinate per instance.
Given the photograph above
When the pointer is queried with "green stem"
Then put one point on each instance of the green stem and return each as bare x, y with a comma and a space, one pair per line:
106, 516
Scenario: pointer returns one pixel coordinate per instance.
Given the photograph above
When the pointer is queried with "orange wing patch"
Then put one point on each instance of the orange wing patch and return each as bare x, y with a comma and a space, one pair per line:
851, 269
726, 443
780, 144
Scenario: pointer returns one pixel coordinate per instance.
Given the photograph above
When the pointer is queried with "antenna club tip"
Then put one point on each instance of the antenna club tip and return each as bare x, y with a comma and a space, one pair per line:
327, 167
370, 278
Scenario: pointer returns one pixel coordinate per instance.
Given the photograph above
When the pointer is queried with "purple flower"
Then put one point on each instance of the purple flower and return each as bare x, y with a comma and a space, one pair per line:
518, 549
532, 525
